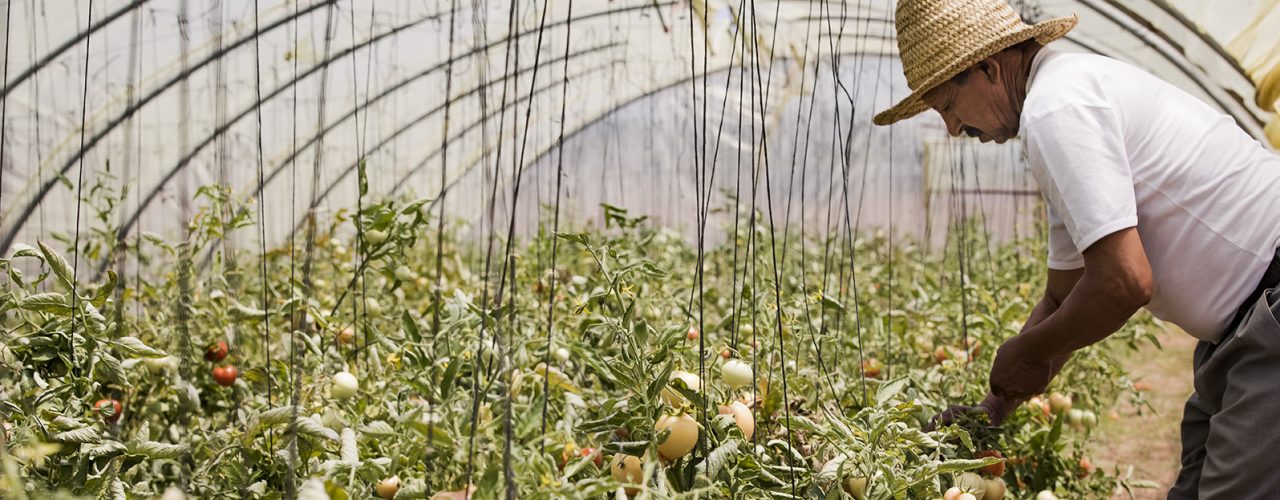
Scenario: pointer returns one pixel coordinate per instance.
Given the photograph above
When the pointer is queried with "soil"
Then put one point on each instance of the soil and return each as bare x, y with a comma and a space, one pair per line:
1147, 439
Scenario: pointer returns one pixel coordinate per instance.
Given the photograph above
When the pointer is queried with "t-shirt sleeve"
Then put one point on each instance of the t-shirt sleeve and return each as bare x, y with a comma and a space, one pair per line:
1077, 155
1063, 255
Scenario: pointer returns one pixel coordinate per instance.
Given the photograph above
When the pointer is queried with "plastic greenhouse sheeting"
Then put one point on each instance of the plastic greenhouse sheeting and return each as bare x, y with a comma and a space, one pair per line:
415, 87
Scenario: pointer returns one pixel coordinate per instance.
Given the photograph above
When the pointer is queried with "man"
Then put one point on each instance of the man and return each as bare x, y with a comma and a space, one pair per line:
1155, 200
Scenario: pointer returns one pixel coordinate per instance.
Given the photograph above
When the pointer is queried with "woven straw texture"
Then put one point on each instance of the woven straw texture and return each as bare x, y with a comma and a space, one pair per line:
939, 39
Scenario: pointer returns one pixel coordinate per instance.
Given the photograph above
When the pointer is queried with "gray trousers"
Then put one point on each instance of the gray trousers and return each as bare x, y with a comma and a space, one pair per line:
1230, 435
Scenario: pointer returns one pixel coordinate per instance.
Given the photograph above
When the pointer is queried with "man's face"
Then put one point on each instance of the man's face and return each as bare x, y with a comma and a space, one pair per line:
976, 103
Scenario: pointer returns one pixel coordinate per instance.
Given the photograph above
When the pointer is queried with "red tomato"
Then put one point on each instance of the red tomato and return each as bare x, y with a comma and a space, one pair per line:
595, 456
1086, 468
216, 352
116, 407
872, 367
225, 375
693, 334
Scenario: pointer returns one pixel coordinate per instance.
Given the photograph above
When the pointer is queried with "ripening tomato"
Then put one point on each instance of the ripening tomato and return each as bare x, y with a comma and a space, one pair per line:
108, 409
225, 375
996, 469
941, 353
691, 381
966, 496
952, 494
1059, 402
1086, 468
681, 439
995, 489
626, 469
872, 367
387, 488
216, 352
1039, 407
346, 335
856, 487
741, 416
972, 484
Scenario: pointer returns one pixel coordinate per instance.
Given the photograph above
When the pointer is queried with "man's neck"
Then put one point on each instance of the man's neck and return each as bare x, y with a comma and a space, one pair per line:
1017, 72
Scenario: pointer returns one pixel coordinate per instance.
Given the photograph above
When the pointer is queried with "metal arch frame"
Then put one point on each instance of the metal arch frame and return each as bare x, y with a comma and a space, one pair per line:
30, 207
123, 116
1182, 63
402, 129
74, 41
221, 130
172, 173
471, 168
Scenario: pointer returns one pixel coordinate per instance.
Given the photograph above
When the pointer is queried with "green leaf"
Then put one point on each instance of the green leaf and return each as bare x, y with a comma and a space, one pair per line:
557, 378
109, 369
241, 312
100, 297
361, 171
410, 327
633, 448
134, 347
720, 456
414, 206
157, 450
59, 265
580, 238
963, 465
49, 302
891, 389
81, 435
276, 416
106, 448
312, 427
349, 452
23, 250
378, 428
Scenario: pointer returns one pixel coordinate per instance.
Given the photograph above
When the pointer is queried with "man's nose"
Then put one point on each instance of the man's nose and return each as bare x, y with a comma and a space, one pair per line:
954, 127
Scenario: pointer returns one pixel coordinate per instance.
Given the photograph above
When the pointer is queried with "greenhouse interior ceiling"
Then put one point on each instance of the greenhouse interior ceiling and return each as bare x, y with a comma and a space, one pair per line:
412, 87
476, 246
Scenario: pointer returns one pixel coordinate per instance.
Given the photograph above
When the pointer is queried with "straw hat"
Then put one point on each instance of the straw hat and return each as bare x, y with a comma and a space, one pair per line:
939, 39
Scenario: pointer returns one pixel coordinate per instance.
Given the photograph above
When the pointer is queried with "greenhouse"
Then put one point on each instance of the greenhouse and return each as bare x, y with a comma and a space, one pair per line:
332, 249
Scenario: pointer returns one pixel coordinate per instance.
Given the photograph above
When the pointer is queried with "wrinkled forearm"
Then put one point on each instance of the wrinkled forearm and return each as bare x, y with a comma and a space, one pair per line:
1093, 311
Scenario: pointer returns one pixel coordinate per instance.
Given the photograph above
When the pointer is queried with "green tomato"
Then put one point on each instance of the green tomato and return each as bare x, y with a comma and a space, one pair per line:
737, 373
375, 237
345, 385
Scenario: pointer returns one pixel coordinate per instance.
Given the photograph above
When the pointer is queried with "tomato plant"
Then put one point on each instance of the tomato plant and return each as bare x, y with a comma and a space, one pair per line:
803, 389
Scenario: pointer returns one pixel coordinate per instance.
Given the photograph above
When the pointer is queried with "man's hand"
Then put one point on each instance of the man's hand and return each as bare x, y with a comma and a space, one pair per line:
1018, 374
994, 407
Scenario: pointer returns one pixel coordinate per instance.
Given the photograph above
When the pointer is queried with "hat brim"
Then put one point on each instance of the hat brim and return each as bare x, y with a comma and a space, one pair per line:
912, 105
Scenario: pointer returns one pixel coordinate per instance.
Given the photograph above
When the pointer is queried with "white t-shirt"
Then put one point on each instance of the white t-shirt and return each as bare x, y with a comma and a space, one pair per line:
1113, 147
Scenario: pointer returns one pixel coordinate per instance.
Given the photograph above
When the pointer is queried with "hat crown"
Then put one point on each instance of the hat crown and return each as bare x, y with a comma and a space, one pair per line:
934, 32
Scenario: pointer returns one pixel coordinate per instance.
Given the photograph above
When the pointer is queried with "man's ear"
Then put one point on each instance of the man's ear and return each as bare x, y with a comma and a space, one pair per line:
990, 69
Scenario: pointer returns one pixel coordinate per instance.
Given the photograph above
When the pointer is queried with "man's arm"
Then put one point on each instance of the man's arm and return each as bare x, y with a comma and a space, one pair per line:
1115, 283
1059, 286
